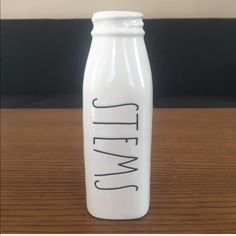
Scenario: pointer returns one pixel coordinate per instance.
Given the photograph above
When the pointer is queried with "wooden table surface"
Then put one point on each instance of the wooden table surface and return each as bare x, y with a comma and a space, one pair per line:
193, 187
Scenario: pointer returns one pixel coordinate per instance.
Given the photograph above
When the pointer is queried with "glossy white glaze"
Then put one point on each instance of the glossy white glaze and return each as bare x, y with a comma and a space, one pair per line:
117, 118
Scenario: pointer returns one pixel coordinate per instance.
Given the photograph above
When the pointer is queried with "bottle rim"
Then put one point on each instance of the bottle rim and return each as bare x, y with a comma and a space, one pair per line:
103, 15
117, 23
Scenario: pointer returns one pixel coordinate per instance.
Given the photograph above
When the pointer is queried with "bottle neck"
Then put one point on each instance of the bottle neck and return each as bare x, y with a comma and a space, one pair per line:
117, 23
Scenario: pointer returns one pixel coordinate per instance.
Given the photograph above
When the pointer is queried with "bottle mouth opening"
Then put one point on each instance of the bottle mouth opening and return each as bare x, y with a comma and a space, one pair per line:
105, 15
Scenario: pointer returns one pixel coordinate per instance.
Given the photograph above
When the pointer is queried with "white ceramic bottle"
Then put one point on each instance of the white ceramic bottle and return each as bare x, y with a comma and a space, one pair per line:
117, 117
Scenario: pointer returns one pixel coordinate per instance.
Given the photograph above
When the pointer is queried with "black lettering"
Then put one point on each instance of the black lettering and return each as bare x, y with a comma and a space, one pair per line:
125, 167
123, 164
126, 139
112, 106
115, 188
118, 123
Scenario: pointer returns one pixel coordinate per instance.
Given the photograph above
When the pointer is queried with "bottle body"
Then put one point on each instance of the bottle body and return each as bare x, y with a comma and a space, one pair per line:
117, 123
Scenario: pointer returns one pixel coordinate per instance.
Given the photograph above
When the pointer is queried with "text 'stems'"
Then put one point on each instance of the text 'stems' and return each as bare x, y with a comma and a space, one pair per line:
128, 161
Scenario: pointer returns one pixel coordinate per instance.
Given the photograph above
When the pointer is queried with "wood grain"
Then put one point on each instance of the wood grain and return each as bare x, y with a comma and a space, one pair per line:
193, 185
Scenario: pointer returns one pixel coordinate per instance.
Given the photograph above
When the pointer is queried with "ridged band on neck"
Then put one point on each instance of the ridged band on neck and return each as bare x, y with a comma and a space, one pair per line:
117, 23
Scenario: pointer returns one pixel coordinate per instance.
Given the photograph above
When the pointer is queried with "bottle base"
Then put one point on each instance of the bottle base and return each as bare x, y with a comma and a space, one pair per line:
116, 217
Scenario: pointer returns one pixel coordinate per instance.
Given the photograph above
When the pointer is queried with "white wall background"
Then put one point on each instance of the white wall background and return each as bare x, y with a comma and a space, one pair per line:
24, 9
